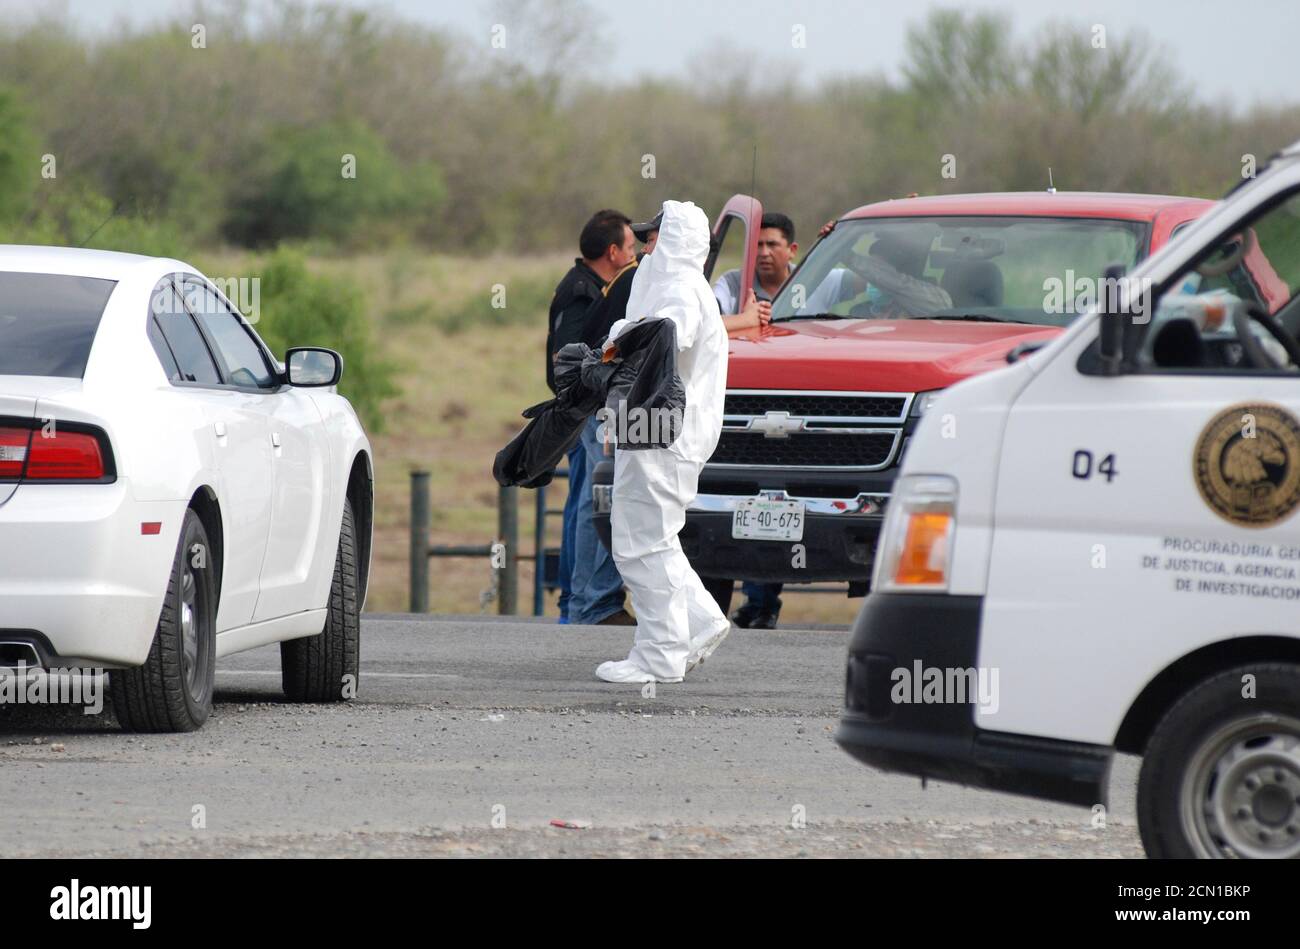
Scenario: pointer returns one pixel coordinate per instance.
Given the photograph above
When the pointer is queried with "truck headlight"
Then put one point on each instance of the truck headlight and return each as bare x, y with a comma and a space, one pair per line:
915, 549
921, 404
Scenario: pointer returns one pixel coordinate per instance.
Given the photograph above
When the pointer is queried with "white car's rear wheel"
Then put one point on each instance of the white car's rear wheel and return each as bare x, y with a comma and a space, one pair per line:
327, 667
172, 691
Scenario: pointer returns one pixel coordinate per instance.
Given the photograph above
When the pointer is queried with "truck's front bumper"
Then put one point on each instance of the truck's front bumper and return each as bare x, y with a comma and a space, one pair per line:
838, 542
883, 726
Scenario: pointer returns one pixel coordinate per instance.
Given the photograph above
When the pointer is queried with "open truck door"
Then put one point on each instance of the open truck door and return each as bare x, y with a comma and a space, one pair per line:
742, 250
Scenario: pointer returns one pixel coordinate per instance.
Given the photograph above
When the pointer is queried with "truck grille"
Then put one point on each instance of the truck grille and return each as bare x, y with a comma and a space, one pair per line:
816, 405
793, 429
806, 450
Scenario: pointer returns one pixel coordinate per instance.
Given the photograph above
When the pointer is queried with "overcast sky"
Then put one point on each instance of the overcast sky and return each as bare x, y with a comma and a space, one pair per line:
1234, 52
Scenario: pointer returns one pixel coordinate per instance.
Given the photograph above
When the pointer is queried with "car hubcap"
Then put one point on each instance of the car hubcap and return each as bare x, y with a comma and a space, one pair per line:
1241, 792
189, 630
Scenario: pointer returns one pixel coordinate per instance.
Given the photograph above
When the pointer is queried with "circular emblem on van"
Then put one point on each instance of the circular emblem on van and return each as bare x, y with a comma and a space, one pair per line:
1247, 464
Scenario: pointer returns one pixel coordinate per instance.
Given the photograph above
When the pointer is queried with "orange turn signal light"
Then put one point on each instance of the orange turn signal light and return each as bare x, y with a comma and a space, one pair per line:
924, 557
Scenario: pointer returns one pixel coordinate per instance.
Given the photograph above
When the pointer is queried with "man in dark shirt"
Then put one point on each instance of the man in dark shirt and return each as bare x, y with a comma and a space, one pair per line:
607, 246
597, 588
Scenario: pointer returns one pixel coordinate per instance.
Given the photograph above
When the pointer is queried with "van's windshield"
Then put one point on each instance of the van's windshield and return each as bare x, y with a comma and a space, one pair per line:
1004, 269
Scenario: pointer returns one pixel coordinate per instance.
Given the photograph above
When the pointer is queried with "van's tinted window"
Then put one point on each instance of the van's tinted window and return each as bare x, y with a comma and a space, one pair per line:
48, 323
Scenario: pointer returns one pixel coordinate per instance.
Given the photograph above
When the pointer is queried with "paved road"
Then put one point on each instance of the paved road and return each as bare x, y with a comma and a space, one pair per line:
471, 734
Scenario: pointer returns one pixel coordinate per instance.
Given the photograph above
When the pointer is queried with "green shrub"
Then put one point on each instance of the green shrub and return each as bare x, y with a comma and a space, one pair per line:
299, 189
72, 214
19, 159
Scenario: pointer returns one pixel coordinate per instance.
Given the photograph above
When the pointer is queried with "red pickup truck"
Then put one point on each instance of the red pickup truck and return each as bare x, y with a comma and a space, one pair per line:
901, 299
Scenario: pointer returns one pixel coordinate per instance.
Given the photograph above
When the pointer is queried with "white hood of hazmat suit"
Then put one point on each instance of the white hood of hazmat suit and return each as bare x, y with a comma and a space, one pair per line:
653, 487
669, 284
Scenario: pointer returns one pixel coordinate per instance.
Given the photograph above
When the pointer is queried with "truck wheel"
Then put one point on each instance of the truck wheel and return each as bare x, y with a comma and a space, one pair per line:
326, 667
172, 691
1221, 773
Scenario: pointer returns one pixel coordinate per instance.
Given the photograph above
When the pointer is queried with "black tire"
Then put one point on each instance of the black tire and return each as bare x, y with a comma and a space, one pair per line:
172, 691
327, 667
1221, 774
721, 591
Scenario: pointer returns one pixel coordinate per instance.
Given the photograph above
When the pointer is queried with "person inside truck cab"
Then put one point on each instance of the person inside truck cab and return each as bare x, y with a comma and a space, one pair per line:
772, 267
889, 278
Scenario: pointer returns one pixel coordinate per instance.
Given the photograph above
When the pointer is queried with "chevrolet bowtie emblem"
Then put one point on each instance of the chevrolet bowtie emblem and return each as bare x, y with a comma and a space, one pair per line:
776, 425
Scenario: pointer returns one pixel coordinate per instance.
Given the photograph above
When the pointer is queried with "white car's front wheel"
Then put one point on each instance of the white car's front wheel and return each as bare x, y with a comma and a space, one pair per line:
172, 691
327, 667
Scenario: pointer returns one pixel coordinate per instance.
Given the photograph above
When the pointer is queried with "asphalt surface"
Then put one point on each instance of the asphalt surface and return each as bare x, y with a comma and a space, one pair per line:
470, 735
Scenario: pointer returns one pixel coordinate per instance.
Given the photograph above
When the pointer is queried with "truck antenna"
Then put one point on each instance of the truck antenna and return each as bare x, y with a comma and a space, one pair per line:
1051, 187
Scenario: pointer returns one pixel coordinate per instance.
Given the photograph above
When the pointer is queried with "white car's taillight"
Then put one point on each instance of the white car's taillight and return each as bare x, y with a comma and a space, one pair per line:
915, 549
13, 452
54, 453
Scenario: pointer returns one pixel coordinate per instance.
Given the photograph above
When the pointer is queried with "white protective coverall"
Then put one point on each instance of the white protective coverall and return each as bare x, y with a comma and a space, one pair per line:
675, 615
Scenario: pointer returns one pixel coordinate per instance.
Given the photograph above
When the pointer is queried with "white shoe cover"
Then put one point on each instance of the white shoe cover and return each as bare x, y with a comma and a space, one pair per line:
625, 670
703, 647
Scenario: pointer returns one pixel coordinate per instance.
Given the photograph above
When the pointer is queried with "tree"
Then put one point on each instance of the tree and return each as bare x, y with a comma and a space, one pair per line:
1071, 73
959, 58
20, 160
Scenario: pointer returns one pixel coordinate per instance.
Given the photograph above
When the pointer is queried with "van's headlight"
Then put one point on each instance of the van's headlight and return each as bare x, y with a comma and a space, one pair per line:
915, 549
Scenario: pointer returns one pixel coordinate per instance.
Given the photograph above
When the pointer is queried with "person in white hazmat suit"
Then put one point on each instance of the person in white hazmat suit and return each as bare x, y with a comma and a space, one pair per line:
678, 623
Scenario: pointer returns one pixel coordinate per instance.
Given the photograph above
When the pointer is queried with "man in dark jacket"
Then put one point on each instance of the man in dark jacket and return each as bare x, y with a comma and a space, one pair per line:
597, 588
607, 246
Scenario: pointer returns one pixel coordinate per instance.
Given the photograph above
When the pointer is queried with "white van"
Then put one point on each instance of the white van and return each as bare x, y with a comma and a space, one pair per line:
1098, 549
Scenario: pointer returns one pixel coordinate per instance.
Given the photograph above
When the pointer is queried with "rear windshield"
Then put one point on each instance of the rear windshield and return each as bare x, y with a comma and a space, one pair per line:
48, 322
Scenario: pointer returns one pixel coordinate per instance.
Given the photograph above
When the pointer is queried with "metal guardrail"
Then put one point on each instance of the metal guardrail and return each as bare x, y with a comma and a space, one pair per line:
505, 548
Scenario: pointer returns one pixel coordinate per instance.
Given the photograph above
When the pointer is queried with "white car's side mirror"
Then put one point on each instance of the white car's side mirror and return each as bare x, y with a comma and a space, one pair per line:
310, 367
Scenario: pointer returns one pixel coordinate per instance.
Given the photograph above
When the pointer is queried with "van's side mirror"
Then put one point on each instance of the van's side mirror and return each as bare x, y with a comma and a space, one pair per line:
313, 368
1111, 350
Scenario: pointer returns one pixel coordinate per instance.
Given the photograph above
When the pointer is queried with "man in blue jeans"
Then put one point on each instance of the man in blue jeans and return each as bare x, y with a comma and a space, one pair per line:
598, 595
578, 487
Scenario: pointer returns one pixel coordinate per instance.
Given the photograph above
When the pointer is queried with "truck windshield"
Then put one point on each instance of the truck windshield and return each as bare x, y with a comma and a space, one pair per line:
1013, 269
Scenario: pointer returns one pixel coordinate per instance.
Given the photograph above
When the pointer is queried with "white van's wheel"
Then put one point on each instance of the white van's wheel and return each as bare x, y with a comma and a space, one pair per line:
1221, 774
